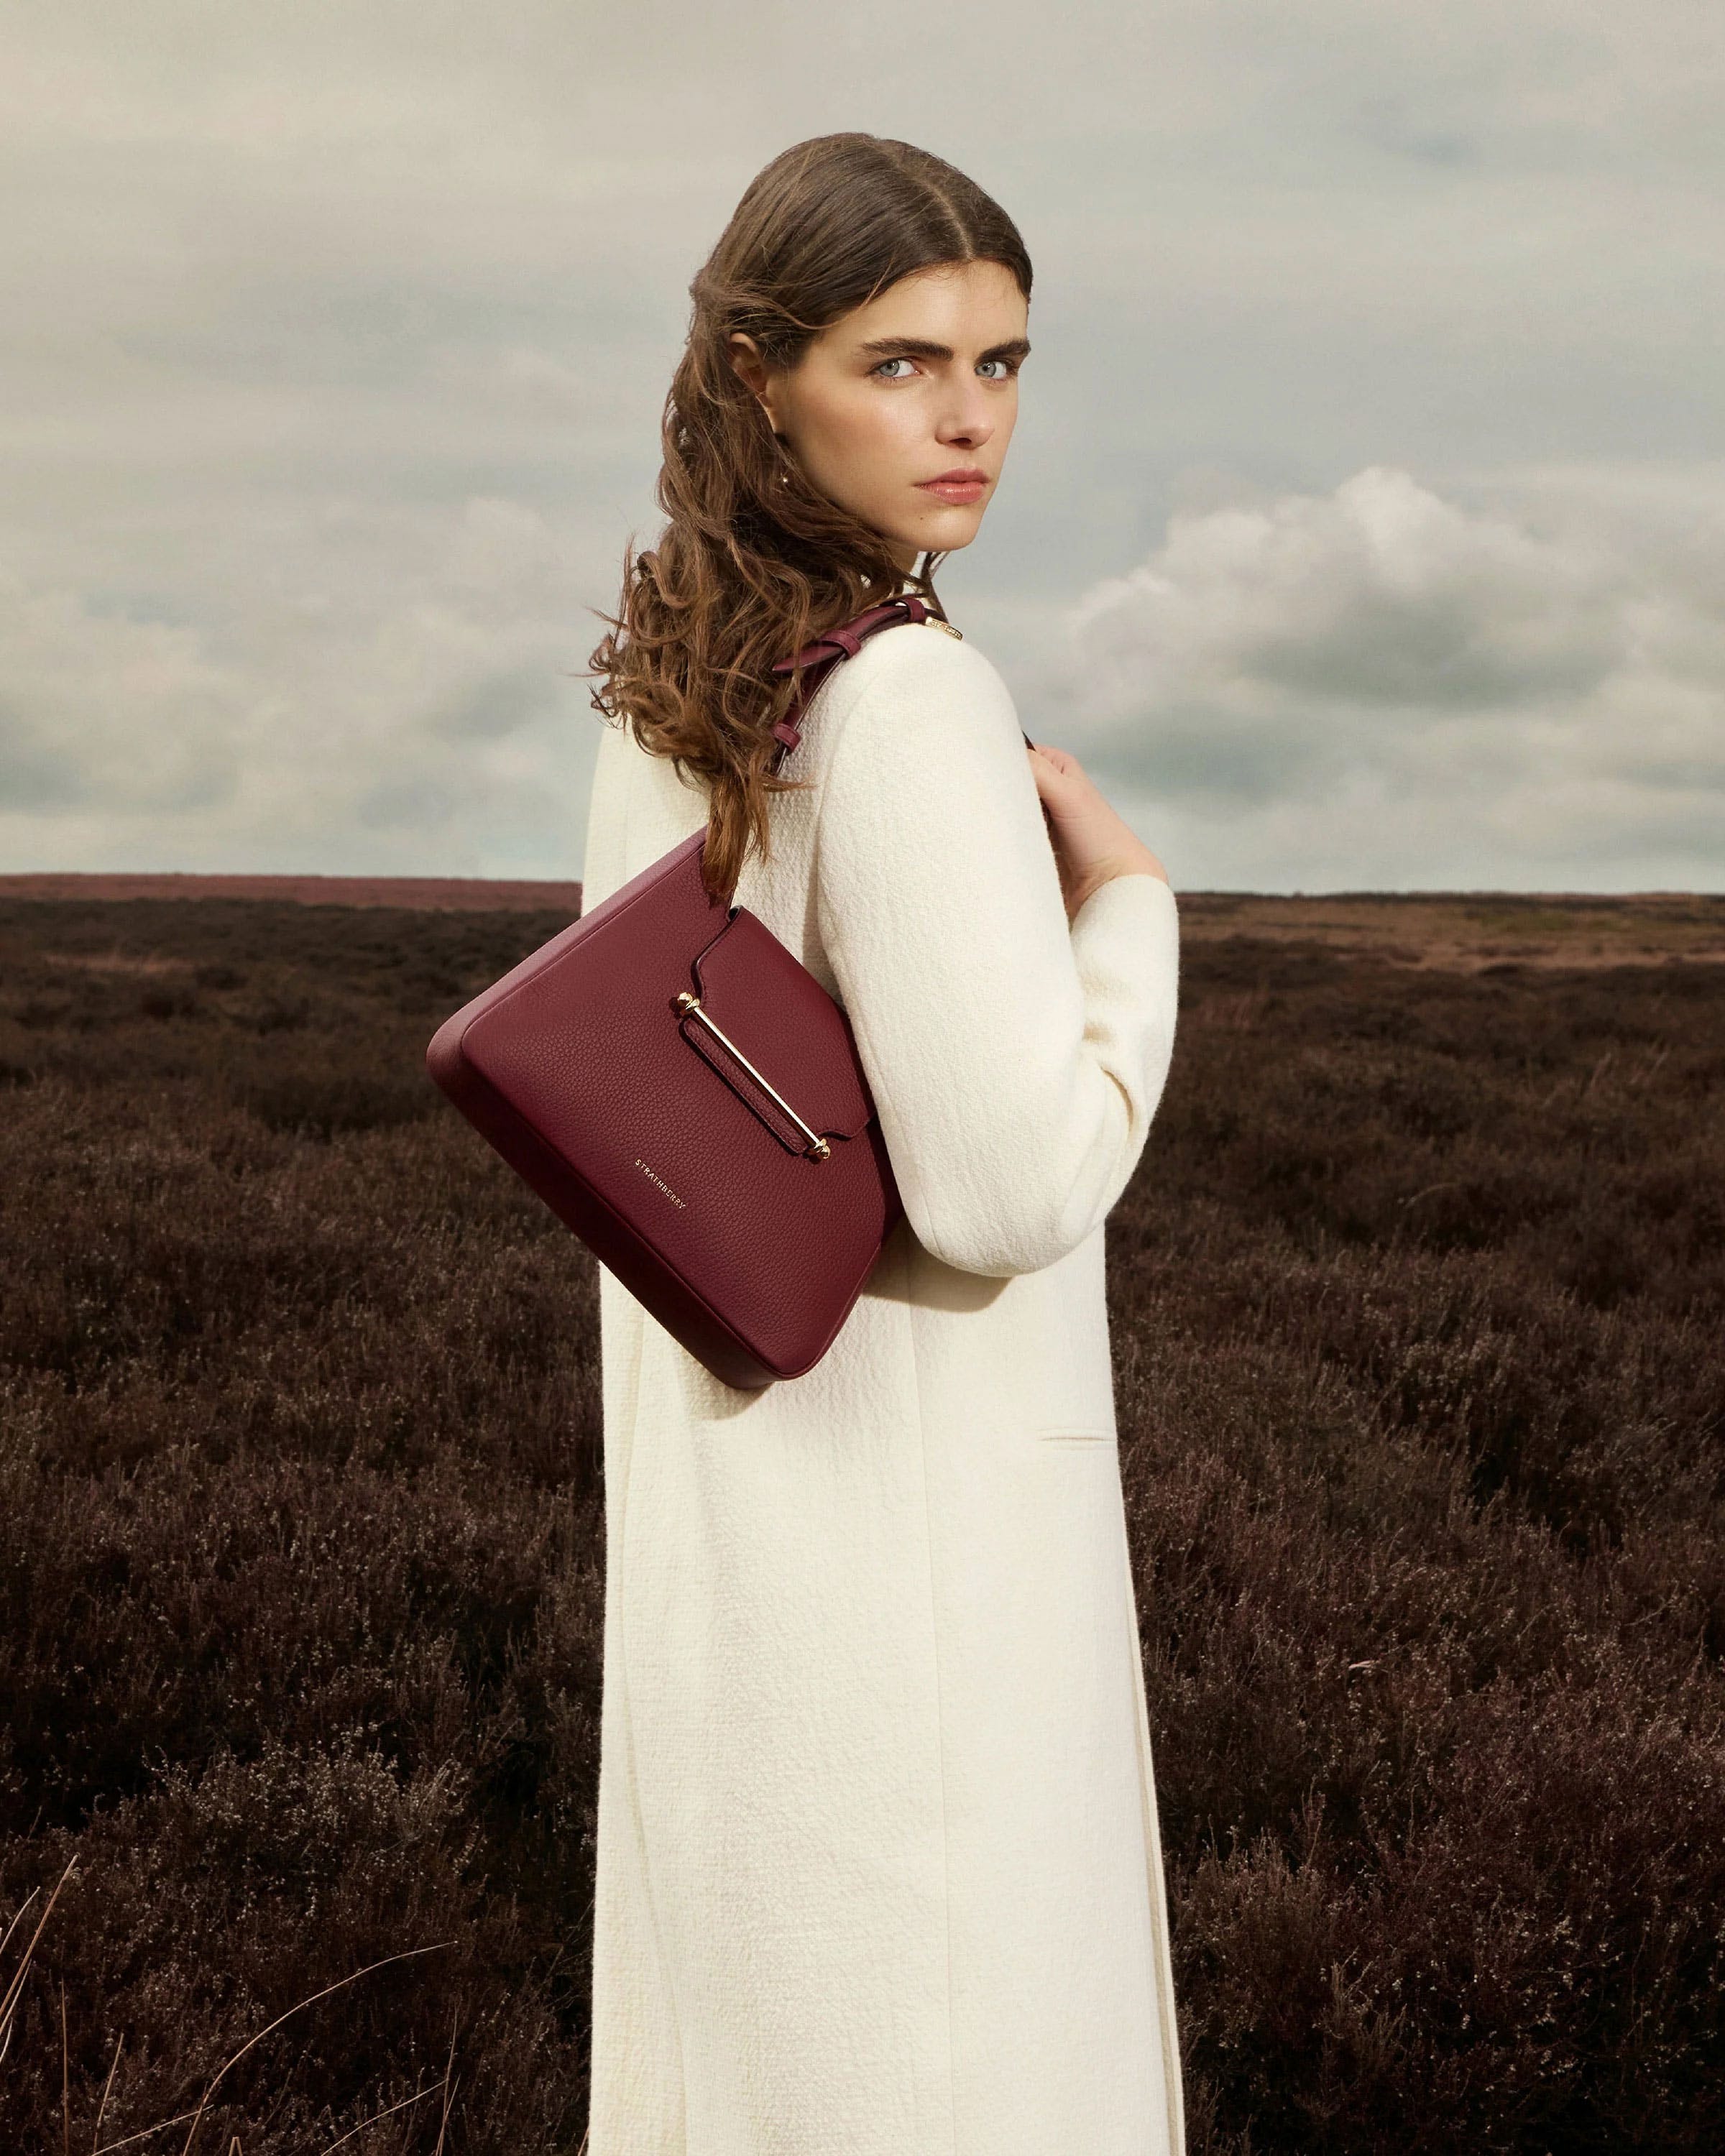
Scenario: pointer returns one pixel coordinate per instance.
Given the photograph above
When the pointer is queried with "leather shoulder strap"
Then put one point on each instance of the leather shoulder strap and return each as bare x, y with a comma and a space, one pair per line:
818, 659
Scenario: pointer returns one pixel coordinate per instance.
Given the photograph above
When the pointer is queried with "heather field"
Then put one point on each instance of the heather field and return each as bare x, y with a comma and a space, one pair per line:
1416, 1300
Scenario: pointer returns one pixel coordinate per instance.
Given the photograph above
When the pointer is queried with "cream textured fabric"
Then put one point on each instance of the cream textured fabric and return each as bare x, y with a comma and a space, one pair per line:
878, 1872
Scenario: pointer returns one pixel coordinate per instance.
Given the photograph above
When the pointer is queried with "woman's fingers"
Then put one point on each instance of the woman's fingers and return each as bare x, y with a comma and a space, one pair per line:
1092, 840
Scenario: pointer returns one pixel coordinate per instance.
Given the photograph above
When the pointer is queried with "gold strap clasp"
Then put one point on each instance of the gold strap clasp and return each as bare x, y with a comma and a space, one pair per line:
689, 1004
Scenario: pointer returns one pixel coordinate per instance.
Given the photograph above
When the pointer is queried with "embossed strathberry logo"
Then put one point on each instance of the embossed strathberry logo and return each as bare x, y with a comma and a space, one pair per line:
658, 1179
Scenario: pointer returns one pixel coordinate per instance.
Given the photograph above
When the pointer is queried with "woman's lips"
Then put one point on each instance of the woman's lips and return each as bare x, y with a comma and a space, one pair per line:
954, 489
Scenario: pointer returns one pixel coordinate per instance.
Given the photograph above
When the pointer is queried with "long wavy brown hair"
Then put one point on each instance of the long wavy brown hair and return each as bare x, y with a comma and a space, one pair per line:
754, 563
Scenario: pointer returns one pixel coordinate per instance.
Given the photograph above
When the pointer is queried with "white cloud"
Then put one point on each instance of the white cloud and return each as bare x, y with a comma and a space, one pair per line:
1380, 595
103, 712
1545, 679
336, 338
361, 725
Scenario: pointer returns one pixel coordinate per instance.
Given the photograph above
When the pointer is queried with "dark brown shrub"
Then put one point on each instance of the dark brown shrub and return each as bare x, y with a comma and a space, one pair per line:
1416, 1300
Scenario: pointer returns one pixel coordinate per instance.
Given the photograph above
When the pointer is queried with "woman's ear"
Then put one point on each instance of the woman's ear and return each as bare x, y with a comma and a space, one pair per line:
752, 368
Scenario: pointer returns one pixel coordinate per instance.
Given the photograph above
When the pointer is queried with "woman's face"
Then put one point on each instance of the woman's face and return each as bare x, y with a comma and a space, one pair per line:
919, 384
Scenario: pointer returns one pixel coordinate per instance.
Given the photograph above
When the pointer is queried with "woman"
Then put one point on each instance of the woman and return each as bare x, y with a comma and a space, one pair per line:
878, 1868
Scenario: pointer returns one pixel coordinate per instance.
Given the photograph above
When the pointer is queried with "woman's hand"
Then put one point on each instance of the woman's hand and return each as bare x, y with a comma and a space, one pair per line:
1091, 843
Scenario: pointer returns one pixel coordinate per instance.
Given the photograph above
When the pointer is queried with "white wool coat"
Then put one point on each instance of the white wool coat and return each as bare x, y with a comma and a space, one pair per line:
878, 1864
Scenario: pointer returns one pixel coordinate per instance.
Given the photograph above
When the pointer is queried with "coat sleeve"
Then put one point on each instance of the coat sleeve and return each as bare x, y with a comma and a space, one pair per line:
1015, 1060
606, 857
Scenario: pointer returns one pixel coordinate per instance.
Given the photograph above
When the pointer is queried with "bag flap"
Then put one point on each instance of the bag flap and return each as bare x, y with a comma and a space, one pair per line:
784, 1022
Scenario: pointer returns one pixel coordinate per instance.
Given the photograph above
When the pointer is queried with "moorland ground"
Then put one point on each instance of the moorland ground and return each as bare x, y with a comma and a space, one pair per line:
1416, 1302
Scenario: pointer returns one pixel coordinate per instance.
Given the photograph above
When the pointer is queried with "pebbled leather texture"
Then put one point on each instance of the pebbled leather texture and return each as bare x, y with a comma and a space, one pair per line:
647, 1139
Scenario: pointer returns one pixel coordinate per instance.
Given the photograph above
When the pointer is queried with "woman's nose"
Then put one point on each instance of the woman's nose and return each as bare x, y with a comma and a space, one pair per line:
966, 420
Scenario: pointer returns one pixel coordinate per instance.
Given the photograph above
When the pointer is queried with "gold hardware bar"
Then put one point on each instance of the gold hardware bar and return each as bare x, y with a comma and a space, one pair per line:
690, 1004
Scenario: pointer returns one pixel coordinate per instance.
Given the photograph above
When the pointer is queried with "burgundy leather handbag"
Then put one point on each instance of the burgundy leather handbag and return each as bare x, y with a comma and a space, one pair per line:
687, 1098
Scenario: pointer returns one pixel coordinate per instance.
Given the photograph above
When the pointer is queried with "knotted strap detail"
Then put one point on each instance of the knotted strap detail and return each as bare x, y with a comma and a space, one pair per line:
818, 658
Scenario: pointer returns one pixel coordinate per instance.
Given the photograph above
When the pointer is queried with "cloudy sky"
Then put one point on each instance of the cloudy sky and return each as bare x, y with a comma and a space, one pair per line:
1364, 527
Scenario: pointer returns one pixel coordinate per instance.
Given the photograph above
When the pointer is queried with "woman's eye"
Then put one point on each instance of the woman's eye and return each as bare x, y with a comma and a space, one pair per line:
1008, 368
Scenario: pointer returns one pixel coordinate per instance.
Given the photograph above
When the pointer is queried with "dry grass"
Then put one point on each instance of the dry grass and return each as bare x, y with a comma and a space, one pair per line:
1416, 1302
